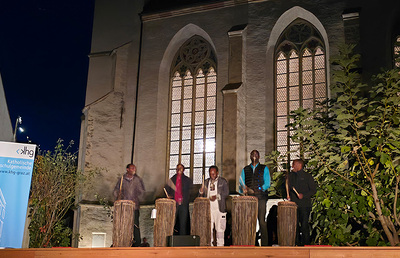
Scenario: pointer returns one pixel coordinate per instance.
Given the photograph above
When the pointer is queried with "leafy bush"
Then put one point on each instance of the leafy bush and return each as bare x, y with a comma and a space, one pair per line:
351, 144
54, 183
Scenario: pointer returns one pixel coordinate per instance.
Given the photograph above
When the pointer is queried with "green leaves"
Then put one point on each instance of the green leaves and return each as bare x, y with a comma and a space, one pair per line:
345, 149
54, 181
384, 158
363, 193
327, 203
352, 144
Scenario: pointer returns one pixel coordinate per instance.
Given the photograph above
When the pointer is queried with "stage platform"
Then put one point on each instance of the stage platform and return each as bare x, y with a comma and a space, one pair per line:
204, 252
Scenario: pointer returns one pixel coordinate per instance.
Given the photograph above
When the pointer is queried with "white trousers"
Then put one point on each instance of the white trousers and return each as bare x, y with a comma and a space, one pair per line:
218, 220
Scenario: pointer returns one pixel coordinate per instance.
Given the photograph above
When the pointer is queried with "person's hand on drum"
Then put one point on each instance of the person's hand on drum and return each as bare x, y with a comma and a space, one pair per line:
201, 190
249, 190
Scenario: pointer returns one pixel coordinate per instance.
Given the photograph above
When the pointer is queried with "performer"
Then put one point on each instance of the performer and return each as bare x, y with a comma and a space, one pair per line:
216, 189
130, 187
301, 187
178, 188
255, 180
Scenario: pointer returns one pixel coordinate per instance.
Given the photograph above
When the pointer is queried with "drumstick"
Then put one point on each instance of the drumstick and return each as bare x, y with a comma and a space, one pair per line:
120, 188
171, 184
294, 189
165, 191
241, 181
243, 184
287, 187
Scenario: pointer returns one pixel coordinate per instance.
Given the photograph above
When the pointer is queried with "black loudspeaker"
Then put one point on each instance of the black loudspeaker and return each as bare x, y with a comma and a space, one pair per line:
183, 241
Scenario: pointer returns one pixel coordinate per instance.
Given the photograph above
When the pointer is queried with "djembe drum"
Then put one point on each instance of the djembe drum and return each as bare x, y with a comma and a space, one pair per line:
165, 221
123, 223
201, 220
244, 220
287, 222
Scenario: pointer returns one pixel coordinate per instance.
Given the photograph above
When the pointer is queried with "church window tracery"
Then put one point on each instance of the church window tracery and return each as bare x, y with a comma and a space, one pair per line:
397, 52
300, 78
192, 125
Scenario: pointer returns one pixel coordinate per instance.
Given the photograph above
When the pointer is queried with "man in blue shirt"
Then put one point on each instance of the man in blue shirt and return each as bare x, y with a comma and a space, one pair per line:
255, 180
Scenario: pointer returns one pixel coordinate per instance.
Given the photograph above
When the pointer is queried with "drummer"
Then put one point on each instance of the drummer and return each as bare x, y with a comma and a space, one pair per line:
216, 189
300, 188
255, 180
178, 188
130, 187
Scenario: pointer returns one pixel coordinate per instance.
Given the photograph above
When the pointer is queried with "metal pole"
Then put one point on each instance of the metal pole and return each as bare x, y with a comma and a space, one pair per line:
18, 121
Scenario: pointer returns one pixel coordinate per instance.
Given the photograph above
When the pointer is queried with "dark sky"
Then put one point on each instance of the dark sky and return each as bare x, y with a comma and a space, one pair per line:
44, 47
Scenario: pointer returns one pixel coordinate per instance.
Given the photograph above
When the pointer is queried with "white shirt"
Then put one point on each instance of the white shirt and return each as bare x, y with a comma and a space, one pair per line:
212, 191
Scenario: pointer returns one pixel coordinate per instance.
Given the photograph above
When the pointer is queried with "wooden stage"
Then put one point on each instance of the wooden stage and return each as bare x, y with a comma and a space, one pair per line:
204, 252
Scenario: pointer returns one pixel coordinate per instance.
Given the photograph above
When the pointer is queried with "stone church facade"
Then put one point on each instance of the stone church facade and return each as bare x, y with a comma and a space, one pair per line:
6, 131
206, 82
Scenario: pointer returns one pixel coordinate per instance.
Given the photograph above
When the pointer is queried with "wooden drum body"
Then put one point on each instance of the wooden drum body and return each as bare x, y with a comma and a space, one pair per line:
165, 221
244, 220
201, 220
287, 222
123, 223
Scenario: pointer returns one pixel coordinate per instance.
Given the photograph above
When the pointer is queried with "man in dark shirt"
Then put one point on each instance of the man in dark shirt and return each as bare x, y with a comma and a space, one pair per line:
300, 188
178, 188
130, 187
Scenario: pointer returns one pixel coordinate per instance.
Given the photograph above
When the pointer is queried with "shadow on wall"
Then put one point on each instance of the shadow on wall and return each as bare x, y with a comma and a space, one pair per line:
229, 173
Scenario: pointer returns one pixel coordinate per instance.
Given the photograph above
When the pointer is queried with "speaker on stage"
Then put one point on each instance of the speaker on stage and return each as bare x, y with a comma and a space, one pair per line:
183, 240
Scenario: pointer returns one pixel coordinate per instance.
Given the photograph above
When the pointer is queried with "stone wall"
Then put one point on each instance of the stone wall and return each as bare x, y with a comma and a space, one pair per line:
94, 219
6, 132
97, 219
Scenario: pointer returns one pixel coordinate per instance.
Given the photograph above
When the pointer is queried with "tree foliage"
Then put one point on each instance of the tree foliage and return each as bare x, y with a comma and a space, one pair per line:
351, 143
54, 183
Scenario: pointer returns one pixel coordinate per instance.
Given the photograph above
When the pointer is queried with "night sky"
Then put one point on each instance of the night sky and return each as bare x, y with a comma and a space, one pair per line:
44, 47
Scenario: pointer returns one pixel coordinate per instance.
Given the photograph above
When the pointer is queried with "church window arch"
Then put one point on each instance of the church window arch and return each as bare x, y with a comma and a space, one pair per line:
193, 101
300, 79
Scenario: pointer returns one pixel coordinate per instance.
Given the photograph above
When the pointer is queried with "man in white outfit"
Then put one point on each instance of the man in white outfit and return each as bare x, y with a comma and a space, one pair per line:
216, 189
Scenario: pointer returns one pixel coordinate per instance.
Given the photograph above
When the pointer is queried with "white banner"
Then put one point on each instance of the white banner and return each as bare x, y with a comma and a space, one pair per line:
16, 166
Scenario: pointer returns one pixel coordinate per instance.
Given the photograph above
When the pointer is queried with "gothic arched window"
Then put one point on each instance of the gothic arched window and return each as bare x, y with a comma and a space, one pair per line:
300, 78
193, 101
397, 52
